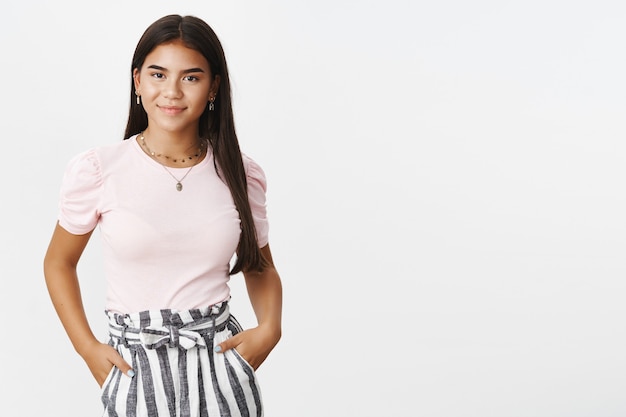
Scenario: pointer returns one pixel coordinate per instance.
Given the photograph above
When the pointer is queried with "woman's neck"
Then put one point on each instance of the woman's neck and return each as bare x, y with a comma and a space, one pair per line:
172, 142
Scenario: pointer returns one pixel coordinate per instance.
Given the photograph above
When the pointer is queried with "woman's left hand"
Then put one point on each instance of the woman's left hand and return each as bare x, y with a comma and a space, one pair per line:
254, 345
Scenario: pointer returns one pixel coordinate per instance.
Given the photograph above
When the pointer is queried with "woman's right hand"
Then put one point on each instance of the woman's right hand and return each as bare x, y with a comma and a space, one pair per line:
101, 358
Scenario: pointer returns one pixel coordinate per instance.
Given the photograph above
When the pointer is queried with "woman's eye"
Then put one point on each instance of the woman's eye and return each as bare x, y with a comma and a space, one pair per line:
190, 78
158, 75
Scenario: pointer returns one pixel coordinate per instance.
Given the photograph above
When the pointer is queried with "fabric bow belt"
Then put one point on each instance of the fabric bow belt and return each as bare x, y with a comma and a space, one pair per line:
176, 331
172, 336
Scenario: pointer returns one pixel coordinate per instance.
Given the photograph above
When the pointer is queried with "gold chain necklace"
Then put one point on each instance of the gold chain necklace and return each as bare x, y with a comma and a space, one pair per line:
182, 160
179, 182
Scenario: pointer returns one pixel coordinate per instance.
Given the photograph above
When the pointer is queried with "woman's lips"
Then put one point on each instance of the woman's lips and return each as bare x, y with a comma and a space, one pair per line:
171, 110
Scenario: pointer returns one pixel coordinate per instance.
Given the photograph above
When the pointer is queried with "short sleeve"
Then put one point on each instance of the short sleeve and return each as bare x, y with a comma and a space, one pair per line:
257, 187
80, 194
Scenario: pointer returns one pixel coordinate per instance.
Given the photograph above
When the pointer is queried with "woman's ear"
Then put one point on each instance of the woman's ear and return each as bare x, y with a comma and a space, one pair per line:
215, 86
136, 80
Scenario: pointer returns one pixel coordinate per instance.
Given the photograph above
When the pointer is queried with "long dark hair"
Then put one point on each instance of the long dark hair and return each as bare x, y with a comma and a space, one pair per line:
218, 125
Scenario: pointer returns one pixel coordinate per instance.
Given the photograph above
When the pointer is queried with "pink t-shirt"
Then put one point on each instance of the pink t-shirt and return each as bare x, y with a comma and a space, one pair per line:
162, 248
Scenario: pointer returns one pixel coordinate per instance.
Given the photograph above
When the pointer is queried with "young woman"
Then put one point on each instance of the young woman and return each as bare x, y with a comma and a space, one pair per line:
176, 202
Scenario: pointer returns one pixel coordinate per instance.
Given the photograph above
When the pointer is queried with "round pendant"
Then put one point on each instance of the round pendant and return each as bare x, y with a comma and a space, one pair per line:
179, 187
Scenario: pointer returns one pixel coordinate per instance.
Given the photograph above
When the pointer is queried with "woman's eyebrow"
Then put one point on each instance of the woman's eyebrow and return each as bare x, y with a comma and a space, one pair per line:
187, 71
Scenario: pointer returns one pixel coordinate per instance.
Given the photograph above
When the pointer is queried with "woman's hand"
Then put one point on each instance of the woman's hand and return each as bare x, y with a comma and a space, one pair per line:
254, 345
101, 358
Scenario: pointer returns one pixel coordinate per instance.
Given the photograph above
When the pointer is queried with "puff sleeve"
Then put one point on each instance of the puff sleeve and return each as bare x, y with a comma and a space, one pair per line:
80, 194
257, 187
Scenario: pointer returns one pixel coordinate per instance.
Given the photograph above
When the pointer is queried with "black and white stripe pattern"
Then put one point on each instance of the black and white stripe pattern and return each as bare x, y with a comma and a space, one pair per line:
177, 373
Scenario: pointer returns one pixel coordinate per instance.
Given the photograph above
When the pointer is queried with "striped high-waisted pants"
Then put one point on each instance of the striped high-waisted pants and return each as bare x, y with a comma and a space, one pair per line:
177, 373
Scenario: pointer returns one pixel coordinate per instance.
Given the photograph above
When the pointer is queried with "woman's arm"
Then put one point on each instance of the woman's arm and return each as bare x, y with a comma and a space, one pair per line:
266, 296
60, 262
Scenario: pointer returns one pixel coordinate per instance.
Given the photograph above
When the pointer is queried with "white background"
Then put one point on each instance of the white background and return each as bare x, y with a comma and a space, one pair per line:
446, 192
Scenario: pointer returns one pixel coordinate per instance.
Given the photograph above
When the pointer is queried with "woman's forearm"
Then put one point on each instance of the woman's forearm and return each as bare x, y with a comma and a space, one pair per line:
62, 282
64, 292
265, 292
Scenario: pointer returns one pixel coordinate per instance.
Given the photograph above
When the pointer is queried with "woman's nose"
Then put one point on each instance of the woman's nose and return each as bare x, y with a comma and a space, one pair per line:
172, 89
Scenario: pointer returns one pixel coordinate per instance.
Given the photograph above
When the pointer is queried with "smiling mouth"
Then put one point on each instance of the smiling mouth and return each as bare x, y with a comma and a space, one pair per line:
171, 110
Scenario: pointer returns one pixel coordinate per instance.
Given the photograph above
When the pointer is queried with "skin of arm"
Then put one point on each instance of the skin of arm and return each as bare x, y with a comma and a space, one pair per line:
265, 293
60, 262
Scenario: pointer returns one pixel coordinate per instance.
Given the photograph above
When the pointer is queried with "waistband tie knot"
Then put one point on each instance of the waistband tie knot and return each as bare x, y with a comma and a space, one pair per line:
173, 336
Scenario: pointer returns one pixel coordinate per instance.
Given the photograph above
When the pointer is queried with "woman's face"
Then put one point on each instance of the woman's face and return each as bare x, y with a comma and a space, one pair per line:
175, 84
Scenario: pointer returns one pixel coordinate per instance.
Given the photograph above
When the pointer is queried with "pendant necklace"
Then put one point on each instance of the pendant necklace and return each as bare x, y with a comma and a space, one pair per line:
179, 182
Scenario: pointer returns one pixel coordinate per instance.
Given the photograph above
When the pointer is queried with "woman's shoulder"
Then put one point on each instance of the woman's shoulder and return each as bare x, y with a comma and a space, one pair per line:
252, 167
257, 182
113, 151
97, 157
